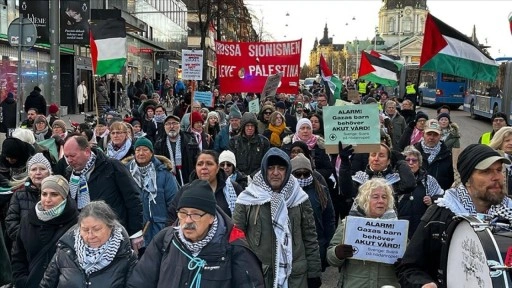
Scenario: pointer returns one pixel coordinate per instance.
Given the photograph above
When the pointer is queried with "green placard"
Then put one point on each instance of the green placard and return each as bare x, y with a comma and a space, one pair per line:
352, 124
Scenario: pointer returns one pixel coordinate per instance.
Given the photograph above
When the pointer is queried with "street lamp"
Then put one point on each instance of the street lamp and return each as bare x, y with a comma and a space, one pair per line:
400, 15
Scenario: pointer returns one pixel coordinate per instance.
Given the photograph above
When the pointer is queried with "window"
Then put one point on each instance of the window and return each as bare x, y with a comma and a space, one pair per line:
391, 25
420, 25
452, 78
407, 22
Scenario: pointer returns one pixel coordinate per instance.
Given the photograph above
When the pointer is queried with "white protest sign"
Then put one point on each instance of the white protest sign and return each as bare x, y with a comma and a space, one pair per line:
271, 85
192, 64
254, 106
376, 240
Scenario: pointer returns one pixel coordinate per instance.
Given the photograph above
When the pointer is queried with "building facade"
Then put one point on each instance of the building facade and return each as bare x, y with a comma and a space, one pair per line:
334, 54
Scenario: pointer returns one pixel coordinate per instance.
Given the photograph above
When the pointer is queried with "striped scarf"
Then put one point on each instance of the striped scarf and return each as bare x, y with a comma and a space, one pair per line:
95, 259
177, 161
78, 188
46, 215
120, 152
196, 247
230, 194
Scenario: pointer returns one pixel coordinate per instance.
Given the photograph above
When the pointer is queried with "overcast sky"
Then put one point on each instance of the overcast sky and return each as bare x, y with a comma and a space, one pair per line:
307, 19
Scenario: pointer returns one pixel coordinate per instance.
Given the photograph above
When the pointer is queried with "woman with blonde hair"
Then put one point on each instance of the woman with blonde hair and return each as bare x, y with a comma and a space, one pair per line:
502, 141
276, 130
374, 201
120, 145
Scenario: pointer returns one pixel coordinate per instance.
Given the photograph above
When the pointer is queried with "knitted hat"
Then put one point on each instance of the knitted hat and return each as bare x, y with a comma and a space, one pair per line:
39, 158
59, 123
302, 145
227, 156
53, 108
433, 126
303, 121
249, 117
267, 107
57, 183
420, 115
196, 117
11, 148
36, 88
234, 112
212, 114
301, 162
444, 115
143, 141
280, 105
135, 122
477, 156
500, 115
39, 119
198, 195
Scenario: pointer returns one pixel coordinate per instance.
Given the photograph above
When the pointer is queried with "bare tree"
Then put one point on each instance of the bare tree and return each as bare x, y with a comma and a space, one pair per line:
259, 26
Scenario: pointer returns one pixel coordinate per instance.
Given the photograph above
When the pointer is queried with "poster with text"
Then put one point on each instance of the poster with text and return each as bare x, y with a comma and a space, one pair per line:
74, 22
192, 64
204, 97
38, 11
245, 66
351, 124
376, 240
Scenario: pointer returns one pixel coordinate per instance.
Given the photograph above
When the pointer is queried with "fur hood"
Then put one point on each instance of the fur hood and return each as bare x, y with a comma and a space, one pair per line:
163, 160
320, 141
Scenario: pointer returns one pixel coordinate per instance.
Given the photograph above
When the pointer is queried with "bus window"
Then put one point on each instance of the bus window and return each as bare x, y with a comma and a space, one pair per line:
451, 78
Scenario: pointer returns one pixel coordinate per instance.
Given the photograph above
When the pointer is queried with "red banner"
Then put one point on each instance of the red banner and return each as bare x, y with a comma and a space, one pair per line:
245, 66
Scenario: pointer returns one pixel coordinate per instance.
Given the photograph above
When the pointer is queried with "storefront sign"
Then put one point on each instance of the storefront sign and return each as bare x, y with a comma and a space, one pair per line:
204, 97
245, 66
192, 64
74, 22
376, 240
38, 11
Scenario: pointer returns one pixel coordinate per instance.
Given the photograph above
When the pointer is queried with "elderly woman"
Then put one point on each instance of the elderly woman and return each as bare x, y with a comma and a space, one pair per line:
379, 166
413, 133
502, 141
315, 143
227, 162
225, 190
450, 131
41, 129
26, 193
276, 130
120, 145
47, 222
94, 253
374, 201
412, 206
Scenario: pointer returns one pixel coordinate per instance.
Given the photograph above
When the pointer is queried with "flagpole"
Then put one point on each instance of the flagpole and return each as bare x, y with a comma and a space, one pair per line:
95, 101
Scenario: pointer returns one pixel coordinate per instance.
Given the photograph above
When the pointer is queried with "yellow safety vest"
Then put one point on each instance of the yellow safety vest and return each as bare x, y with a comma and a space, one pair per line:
486, 138
362, 88
409, 89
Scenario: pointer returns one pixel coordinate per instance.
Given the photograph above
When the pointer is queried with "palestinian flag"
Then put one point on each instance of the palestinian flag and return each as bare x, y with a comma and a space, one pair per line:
510, 21
391, 58
377, 70
330, 81
448, 51
108, 46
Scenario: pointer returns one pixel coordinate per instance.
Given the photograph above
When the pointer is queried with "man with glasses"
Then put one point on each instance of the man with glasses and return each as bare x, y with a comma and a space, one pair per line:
397, 121
203, 249
276, 215
321, 102
499, 119
179, 146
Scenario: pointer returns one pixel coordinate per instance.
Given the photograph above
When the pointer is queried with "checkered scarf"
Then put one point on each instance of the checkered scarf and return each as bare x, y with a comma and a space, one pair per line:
196, 247
431, 151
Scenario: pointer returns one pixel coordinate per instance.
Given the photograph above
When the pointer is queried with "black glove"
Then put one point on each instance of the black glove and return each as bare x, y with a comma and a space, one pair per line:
343, 251
397, 263
345, 153
314, 282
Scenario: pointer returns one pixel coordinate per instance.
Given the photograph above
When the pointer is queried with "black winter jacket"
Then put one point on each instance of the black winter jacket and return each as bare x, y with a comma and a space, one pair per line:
9, 115
229, 261
441, 167
111, 181
189, 152
36, 100
249, 151
31, 258
65, 271
22, 201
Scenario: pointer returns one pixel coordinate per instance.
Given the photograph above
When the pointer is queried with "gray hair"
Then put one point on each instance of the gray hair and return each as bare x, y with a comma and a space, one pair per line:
101, 211
411, 150
365, 193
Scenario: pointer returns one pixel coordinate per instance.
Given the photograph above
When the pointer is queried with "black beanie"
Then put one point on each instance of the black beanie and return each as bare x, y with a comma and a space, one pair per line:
476, 154
420, 115
276, 160
446, 115
198, 195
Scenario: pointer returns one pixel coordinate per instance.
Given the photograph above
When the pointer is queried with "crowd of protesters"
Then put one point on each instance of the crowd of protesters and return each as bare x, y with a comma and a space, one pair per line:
226, 197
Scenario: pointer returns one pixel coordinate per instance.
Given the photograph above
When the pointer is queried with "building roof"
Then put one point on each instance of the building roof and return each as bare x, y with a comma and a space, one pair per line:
393, 4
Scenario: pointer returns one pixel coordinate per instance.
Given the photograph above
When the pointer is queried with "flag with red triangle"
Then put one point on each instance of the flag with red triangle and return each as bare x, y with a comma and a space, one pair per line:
448, 51
108, 46
391, 58
377, 70
332, 83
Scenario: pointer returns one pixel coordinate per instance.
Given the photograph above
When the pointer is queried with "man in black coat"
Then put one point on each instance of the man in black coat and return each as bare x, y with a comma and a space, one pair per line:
9, 113
36, 100
92, 176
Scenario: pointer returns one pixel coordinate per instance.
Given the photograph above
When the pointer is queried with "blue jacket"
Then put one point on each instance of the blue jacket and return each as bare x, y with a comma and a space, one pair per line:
167, 187
222, 140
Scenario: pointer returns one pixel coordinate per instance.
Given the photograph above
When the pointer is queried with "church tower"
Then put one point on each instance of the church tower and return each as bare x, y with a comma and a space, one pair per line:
400, 20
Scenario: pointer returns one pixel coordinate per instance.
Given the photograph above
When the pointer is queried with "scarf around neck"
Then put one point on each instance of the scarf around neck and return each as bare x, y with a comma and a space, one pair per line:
159, 118
416, 136
46, 215
259, 193
78, 188
40, 134
230, 194
275, 137
196, 247
120, 152
311, 142
432, 151
176, 160
145, 177
95, 259
305, 182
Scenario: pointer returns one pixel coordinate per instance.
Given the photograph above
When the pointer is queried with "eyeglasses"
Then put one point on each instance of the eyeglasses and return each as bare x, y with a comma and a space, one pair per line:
171, 124
194, 216
411, 160
498, 120
267, 112
301, 174
117, 133
226, 164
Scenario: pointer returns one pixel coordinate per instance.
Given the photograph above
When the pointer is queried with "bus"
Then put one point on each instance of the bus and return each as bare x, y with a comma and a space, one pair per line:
435, 88
486, 98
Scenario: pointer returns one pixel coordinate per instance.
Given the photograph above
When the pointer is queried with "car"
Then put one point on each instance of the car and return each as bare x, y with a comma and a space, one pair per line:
308, 82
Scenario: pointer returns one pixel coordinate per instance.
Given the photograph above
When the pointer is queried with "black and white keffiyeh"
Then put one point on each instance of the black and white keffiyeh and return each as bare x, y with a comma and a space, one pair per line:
431, 151
361, 177
230, 194
176, 160
196, 247
145, 177
303, 182
259, 193
78, 188
95, 259
121, 152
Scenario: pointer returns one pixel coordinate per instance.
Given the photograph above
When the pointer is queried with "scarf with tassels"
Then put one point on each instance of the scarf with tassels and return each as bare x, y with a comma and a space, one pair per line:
275, 137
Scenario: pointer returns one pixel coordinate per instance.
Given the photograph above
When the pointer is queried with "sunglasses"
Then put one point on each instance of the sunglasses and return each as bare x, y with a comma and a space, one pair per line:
226, 164
411, 160
267, 112
301, 174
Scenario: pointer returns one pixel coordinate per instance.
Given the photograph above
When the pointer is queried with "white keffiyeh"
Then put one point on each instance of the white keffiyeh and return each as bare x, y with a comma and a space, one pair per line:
230, 194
